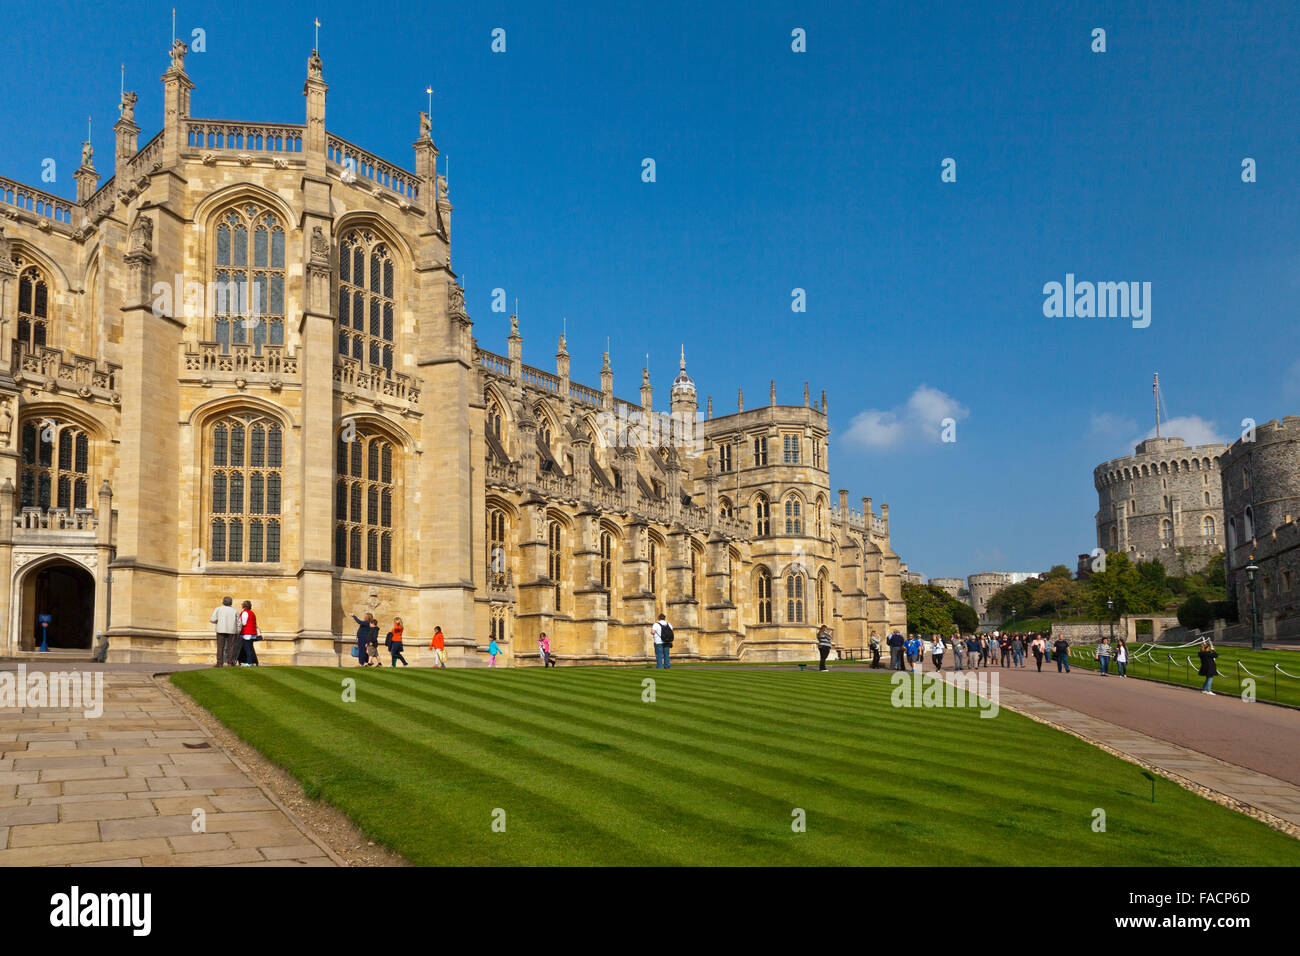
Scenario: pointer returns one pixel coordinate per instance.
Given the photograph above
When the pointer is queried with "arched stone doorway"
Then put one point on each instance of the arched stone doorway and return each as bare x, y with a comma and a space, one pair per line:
65, 591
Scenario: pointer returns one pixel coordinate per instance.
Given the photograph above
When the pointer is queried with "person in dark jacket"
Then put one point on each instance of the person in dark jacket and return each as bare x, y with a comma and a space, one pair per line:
895, 642
1209, 670
1062, 648
367, 634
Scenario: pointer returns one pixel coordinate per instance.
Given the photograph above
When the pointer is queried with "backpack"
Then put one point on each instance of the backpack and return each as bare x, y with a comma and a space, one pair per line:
666, 632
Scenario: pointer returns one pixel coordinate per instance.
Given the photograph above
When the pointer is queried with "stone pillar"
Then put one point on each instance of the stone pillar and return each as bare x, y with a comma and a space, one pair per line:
562, 368
321, 639
516, 350
606, 385
103, 558
86, 177
9, 641
176, 107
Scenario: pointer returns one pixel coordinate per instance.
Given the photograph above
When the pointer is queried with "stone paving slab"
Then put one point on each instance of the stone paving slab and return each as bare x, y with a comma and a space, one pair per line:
1278, 799
122, 790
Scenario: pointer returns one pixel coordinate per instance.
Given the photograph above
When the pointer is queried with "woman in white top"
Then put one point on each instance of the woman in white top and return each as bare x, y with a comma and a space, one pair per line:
936, 652
1121, 659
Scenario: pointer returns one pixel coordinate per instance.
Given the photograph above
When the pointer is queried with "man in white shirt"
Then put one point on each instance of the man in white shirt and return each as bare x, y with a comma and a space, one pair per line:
226, 618
662, 632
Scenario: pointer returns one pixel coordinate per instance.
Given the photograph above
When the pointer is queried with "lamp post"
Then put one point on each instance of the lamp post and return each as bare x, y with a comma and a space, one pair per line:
1256, 641
1110, 613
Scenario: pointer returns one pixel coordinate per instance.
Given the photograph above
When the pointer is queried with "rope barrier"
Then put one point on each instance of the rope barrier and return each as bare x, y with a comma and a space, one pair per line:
1247, 670
1278, 668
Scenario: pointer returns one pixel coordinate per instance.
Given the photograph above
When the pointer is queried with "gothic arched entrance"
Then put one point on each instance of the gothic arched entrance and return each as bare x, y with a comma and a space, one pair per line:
66, 592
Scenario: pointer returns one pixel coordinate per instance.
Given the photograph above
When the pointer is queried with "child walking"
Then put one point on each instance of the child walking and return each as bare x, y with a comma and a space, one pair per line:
493, 651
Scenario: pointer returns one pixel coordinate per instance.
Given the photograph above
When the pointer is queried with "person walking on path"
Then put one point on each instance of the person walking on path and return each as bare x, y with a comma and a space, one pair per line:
1103, 656
438, 645
1209, 670
249, 632
984, 651
363, 638
823, 646
395, 644
493, 650
875, 651
1121, 659
914, 654
1004, 647
1062, 654
936, 652
662, 634
544, 645
1018, 650
958, 652
226, 619
1037, 646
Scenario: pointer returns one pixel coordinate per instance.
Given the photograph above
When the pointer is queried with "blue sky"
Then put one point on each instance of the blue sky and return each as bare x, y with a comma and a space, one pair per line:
779, 170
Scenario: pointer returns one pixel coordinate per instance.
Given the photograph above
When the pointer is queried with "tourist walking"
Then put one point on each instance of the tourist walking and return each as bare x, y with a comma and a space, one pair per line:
1103, 656
958, 652
914, 654
249, 632
226, 619
1018, 650
1121, 659
662, 632
875, 651
439, 648
1036, 645
544, 648
1209, 670
984, 650
494, 649
363, 638
937, 651
823, 646
395, 643
1062, 654
1004, 647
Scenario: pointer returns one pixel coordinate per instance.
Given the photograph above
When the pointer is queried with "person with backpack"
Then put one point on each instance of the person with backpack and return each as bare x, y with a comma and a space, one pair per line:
823, 645
249, 632
394, 642
662, 632
438, 646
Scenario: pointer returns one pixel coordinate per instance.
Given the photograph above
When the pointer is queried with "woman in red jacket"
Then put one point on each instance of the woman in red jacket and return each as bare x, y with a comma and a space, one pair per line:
249, 632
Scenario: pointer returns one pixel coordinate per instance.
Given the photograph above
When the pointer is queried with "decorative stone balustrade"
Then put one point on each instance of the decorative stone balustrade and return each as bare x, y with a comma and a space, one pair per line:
349, 157
52, 370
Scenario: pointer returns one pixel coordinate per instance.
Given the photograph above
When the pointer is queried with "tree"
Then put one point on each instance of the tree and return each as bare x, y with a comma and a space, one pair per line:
927, 610
963, 616
1055, 593
1196, 613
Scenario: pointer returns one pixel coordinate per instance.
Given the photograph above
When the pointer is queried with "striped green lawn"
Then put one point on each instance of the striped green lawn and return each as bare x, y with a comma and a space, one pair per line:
708, 774
1157, 666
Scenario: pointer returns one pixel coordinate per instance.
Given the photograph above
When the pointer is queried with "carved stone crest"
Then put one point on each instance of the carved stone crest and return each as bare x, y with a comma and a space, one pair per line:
179, 49
141, 243
320, 246
456, 300
127, 106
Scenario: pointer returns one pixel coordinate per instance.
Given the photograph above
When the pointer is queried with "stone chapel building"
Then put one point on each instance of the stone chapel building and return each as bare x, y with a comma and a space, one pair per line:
243, 365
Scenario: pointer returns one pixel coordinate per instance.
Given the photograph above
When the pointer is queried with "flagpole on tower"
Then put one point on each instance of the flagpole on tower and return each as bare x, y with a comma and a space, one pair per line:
173, 26
1155, 390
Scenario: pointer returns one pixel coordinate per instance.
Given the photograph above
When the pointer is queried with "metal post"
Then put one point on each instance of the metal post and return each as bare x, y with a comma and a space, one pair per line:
1256, 640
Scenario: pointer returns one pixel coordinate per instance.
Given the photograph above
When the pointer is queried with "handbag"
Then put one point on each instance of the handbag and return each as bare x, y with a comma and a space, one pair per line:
356, 652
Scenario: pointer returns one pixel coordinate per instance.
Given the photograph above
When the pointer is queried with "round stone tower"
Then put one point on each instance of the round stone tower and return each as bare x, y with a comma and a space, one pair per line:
1165, 501
1261, 502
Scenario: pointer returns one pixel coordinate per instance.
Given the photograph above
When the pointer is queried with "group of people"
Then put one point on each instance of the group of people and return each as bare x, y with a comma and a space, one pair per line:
237, 632
973, 651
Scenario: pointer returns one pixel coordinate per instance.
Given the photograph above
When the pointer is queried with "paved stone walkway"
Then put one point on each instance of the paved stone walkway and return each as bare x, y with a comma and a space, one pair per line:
1263, 792
122, 790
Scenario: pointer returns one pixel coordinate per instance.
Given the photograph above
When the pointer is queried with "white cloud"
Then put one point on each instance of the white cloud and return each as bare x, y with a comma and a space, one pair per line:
1109, 425
919, 420
1192, 429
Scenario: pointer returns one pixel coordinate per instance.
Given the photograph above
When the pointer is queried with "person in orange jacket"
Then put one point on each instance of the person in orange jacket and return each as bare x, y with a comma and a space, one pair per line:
437, 645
